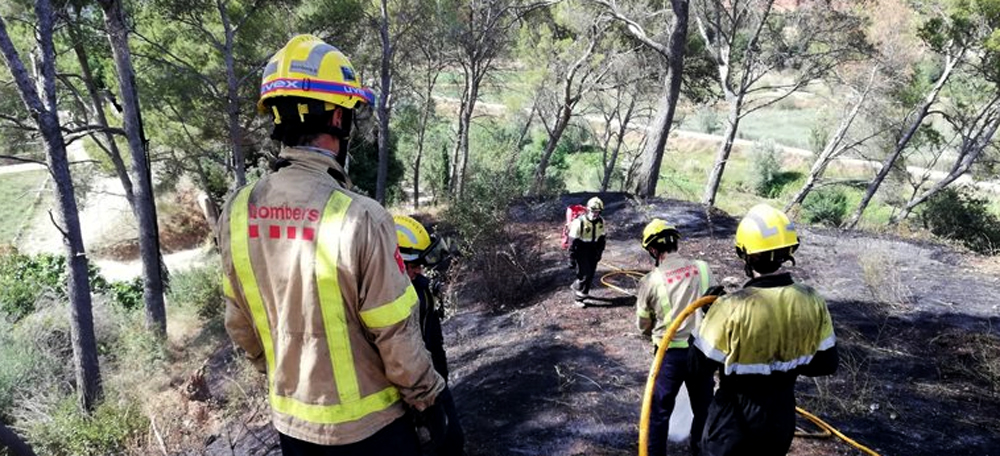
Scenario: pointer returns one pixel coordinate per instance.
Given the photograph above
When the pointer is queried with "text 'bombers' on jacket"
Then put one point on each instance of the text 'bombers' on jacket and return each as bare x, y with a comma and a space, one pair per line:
319, 299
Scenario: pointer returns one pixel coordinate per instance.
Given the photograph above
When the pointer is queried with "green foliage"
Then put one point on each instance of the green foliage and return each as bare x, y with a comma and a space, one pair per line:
364, 167
962, 216
764, 180
127, 294
71, 432
707, 120
24, 279
481, 216
501, 268
26, 367
19, 188
573, 141
825, 206
199, 288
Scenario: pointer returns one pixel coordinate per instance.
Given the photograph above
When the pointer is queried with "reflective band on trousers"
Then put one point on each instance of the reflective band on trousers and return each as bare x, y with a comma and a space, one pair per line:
352, 406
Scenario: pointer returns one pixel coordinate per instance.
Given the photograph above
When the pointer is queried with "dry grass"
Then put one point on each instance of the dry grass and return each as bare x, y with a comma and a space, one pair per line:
880, 273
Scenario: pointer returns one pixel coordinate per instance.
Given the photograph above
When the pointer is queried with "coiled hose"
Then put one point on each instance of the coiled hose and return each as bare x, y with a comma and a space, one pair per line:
826, 430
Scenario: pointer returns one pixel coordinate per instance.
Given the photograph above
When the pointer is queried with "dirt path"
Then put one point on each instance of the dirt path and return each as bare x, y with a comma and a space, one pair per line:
547, 378
854, 163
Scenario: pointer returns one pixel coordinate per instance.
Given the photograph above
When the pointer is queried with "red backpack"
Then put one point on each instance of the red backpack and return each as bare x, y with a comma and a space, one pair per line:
572, 212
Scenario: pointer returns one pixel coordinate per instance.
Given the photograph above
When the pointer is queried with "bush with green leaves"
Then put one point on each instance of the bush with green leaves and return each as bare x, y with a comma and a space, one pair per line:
960, 215
199, 288
765, 178
25, 279
70, 432
501, 266
826, 206
708, 119
127, 294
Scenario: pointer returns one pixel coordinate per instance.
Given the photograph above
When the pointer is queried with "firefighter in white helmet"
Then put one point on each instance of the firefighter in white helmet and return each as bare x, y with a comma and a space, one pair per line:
317, 292
762, 338
586, 248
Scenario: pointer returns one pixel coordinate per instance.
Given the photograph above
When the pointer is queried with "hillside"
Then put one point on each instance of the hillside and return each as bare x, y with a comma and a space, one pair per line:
919, 371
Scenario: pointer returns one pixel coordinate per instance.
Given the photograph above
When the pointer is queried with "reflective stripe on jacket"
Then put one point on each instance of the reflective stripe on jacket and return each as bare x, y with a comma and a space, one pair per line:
761, 330
665, 291
318, 298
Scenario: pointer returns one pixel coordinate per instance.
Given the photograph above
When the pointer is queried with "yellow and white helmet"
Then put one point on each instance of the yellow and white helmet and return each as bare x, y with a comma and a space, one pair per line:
412, 237
306, 69
595, 204
658, 229
765, 229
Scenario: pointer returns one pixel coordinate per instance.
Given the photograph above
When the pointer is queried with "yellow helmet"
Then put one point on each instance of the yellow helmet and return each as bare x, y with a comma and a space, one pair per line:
412, 237
764, 229
657, 229
309, 68
595, 204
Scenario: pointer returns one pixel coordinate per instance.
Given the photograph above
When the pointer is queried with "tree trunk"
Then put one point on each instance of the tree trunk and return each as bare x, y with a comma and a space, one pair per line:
649, 174
149, 240
609, 167
554, 136
95, 98
832, 148
14, 443
464, 123
385, 77
962, 165
911, 130
462, 134
233, 99
86, 365
725, 149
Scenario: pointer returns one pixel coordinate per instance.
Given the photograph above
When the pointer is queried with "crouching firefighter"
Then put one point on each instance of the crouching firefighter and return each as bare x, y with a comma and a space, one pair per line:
317, 293
586, 247
663, 293
420, 249
762, 338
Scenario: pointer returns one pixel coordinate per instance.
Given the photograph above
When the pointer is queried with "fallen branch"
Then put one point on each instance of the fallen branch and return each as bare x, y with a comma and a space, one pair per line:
159, 438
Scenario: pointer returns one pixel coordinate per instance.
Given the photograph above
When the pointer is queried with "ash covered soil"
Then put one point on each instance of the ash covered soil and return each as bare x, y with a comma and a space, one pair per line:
920, 357
915, 321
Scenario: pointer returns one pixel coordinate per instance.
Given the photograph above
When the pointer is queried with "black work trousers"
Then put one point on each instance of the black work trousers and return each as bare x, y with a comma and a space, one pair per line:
397, 439
760, 424
454, 438
586, 266
673, 372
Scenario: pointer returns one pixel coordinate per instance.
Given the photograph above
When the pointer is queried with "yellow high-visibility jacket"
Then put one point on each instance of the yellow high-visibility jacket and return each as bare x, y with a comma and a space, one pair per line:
665, 291
318, 297
772, 325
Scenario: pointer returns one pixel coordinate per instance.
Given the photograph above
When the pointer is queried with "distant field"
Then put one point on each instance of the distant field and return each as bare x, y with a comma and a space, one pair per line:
685, 171
17, 191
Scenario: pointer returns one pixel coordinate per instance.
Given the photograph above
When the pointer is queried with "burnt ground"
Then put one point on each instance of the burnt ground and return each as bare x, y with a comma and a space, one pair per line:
920, 357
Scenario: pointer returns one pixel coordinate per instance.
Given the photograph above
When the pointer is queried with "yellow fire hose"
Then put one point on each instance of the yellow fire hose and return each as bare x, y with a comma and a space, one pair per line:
647, 398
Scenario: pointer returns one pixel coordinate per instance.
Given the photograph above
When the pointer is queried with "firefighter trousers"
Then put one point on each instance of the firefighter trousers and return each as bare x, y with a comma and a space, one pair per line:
674, 372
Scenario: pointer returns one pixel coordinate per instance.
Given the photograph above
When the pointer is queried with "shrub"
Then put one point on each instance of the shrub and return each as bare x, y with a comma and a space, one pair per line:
826, 207
765, 179
26, 278
501, 266
127, 294
962, 216
68, 431
708, 120
199, 288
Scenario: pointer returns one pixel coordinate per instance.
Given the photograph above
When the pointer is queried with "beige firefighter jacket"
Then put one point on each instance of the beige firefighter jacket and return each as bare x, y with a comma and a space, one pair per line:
665, 291
318, 298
